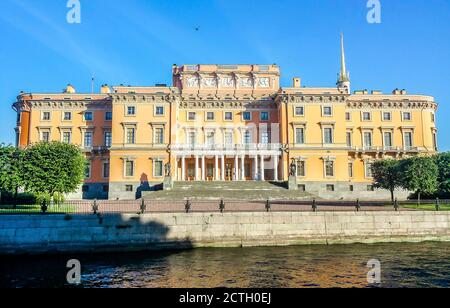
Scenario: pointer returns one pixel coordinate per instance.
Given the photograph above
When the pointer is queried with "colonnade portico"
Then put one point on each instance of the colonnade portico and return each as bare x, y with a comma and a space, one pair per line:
221, 167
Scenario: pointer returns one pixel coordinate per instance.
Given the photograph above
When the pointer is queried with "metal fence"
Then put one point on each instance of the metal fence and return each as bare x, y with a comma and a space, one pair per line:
101, 207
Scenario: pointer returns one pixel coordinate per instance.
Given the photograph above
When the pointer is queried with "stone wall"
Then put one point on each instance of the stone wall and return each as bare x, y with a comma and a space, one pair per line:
126, 232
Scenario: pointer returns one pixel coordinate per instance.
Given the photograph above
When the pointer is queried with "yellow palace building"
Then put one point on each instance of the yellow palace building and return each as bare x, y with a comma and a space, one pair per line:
231, 123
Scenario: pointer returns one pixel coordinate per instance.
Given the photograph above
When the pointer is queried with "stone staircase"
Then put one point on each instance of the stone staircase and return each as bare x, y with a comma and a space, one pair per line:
239, 191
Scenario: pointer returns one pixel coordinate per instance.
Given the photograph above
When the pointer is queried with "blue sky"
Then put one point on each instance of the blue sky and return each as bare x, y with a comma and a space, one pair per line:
137, 41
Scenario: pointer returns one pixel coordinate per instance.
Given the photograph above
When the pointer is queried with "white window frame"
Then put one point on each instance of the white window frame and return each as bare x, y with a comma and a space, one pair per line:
84, 116
225, 116
64, 131
188, 116
49, 115
323, 134
364, 138
125, 161
349, 116
325, 161
243, 116
261, 116
84, 139
304, 168
303, 128
366, 164
327, 115
63, 118
303, 110
206, 116
410, 116
366, 112
128, 114
106, 161
386, 112
154, 168
404, 138
156, 111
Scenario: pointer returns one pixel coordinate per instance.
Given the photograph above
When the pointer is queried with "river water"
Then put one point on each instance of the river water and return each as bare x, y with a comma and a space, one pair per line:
402, 265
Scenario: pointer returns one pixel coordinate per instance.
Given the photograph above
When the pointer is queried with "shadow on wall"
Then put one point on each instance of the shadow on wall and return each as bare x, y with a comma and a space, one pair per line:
119, 247
145, 186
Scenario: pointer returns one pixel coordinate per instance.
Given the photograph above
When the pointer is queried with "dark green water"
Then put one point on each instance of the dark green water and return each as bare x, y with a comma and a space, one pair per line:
403, 265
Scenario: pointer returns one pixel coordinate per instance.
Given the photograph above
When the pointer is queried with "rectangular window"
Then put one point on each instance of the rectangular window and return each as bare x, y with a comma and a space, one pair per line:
299, 111
106, 169
351, 188
264, 116
302, 187
348, 116
329, 168
407, 116
408, 139
367, 139
328, 135
191, 116
131, 136
435, 145
88, 116
367, 116
301, 168
265, 138
192, 138
67, 116
327, 111
159, 135
368, 169
370, 188
330, 187
247, 137
131, 110
45, 136
247, 116
433, 117
229, 138
387, 139
349, 139
210, 139
66, 137
299, 135
209, 170
108, 139
158, 165
210, 116
129, 168
159, 110
350, 170
387, 116
88, 139
108, 116
228, 116
129, 188
46, 115
87, 171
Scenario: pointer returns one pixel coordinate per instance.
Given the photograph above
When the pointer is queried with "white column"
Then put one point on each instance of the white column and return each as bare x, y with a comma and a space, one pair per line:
236, 168
196, 167
223, 167
176, 169
203, 168
262, 168
255, 169
243, 168
216, 169
183, 168
275, 170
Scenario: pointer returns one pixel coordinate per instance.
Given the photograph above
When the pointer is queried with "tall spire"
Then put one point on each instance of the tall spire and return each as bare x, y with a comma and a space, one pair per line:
344, 78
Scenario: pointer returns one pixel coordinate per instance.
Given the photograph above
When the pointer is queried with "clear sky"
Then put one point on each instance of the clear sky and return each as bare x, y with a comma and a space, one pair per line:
136, 42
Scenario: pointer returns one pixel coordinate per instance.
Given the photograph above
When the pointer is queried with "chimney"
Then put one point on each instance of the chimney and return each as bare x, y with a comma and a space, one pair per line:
297, 82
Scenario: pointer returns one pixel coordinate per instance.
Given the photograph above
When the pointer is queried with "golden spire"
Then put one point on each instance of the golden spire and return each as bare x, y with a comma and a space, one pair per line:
343, 75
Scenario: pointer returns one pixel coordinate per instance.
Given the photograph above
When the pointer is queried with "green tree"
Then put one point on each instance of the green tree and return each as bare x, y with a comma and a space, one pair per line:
420, 174
53, 168
387, 175
443, 163
11, 178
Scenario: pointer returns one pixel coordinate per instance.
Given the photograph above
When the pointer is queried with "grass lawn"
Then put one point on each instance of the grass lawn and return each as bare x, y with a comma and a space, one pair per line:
426, 207
36, 209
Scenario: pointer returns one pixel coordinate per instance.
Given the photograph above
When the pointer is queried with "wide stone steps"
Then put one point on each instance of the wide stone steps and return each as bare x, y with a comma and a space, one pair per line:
239, 191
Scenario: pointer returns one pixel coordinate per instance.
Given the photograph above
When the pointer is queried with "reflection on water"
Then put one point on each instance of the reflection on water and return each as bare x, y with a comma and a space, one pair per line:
403, 265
